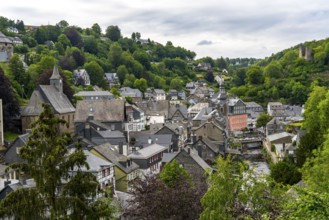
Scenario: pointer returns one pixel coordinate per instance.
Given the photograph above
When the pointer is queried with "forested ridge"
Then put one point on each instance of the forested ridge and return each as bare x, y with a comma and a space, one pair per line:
283, 76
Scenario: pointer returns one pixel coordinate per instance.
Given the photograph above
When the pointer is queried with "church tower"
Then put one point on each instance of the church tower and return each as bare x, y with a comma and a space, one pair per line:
56, 80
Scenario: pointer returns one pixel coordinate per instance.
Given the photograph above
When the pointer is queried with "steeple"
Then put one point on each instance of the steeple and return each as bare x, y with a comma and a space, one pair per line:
56, 80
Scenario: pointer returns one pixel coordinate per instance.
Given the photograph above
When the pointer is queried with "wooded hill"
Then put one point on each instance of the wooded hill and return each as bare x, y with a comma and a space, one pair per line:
144, 63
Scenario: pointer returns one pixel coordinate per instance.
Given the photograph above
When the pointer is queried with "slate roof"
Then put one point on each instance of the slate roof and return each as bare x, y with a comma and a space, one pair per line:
111, 134
278, 136
11, 155
159, 91
168, 157
147, 152
205, 114
48, 94
143, 139
152, 107
100, 124
111, 154
174, 108
102, 110
95, 163
253, 105
93, 93
134, 93
4, 39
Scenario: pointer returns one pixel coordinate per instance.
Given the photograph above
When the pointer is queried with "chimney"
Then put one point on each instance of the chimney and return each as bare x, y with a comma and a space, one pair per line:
200, 150
284, 147
22, 179
193, 138
120, 148
7, 183
189, 150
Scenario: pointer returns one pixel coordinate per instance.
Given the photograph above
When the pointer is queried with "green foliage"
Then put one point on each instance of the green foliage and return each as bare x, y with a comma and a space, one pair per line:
74, 36
172, 172
115, 54
176, 83
254, 75
316, 169
113, 33
286, 171
49, 162
262, 120
96, 73
235, 193
115, 92
9, 101
313, 200
141, 84
314, 123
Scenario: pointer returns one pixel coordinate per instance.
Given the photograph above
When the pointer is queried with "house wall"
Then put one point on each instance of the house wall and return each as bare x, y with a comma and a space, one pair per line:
205, 152
121, 183
69, 117
211, 131
8, 47
175, 137
192, 168
237, 122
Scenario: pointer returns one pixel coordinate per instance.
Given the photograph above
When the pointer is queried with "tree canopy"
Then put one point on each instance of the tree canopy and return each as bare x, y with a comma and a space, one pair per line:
48, 161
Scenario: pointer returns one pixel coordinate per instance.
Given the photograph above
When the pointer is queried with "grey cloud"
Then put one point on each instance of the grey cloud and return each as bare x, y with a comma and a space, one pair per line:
204, 42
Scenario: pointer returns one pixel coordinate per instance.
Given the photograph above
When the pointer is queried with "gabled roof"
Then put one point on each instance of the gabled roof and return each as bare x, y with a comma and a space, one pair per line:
233, 102
48, 94
4, 39
159, 91
168, 157
151, 107
134, 93
111, 154
174, 108
95, 163
101, 110
93, 93
209, 122
274, 137
143, 139
213, 145
147, 152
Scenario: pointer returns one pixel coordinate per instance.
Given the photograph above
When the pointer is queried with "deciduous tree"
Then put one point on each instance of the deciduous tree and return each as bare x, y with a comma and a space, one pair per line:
113, 32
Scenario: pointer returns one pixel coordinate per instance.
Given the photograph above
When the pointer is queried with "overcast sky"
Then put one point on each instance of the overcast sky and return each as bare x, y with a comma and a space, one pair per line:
234, 28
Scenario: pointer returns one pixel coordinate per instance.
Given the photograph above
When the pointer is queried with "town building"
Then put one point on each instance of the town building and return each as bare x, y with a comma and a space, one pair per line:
81, 77
53, 95
237, 116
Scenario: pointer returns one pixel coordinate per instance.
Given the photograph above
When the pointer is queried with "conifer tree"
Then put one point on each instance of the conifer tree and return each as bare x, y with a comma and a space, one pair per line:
57, 195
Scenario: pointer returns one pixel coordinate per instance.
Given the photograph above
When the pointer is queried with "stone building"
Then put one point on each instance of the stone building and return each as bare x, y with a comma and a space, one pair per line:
6, 48
53, 95
306, 53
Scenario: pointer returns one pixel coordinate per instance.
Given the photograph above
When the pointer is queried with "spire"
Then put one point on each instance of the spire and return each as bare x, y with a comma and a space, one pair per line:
56, 80
55, 74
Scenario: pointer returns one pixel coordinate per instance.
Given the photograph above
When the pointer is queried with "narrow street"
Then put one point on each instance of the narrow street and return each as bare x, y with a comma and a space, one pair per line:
272, 154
